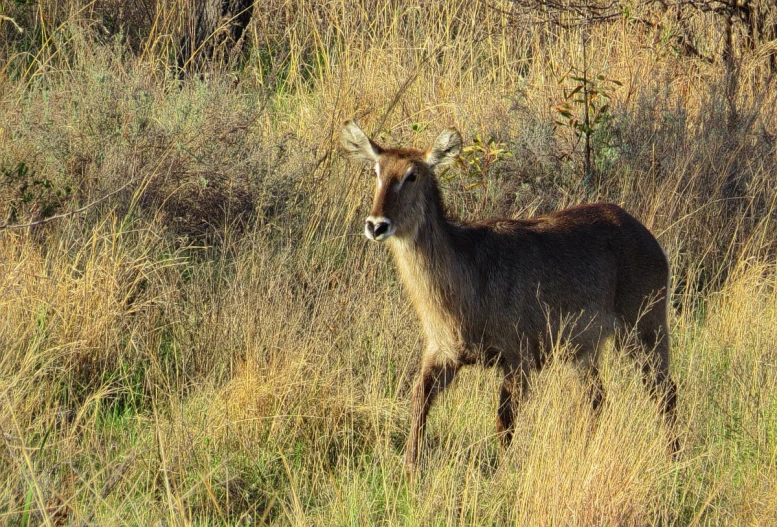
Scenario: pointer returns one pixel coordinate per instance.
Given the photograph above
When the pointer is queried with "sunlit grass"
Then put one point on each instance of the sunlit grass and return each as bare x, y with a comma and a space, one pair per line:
218, 344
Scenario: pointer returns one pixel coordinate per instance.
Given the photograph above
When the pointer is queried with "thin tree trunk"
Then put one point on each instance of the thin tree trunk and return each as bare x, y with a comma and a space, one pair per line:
212, 33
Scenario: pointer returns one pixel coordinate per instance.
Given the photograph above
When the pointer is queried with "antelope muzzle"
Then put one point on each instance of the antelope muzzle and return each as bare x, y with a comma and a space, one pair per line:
378, 228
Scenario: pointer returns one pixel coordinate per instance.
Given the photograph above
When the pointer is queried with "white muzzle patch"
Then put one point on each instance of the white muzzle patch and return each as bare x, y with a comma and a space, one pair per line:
378, 228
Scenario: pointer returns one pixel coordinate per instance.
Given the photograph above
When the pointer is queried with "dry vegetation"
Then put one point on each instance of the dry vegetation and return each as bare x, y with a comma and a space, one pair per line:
216, 343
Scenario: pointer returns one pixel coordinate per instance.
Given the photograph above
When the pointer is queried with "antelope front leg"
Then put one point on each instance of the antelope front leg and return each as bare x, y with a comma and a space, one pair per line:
433, 380
515, 386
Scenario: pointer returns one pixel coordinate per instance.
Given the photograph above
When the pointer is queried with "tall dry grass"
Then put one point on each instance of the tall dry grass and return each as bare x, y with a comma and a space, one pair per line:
217, 344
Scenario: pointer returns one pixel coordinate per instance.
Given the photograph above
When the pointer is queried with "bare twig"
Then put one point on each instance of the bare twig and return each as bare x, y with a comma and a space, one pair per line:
12, 21
9, 226
402, 89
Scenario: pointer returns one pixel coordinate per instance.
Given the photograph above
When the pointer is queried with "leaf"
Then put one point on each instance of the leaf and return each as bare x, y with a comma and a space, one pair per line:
564, 76
574, 91
25, 521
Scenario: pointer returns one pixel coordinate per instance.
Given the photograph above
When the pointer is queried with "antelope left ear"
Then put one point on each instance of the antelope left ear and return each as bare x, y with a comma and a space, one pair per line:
358, 145
446, 148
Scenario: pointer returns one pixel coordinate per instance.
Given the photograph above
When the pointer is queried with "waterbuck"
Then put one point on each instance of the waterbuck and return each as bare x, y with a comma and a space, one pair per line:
503, 291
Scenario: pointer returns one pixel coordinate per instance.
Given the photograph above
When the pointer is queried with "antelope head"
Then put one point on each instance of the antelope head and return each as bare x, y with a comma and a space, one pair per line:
404, 180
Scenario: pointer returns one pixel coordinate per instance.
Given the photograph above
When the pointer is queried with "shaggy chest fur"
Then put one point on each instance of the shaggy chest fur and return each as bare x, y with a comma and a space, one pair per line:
443, 295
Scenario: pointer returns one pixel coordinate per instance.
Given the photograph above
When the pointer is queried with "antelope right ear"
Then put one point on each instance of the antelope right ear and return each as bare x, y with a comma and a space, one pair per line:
358, 145
446, 148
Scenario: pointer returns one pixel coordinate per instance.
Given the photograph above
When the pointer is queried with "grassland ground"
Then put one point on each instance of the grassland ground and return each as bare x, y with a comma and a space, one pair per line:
217, 343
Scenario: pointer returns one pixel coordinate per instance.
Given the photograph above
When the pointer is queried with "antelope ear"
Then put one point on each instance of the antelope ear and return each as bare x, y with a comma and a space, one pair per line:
358, 145
446, 147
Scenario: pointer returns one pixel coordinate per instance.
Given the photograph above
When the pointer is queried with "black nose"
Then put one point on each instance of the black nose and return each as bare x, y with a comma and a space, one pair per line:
380, 228
375, 229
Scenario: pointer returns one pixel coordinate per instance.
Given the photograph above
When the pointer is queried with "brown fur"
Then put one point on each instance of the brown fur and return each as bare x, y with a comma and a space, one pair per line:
504, 291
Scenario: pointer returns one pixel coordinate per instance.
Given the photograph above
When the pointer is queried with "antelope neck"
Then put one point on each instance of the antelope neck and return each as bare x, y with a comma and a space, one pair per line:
423, 257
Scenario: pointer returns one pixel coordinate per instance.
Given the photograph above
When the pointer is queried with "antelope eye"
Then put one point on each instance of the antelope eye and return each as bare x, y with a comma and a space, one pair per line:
410, 177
